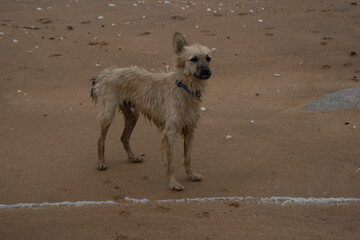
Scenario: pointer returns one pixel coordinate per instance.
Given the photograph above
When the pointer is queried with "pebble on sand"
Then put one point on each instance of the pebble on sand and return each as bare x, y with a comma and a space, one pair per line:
228, 137
203, 109
277, 75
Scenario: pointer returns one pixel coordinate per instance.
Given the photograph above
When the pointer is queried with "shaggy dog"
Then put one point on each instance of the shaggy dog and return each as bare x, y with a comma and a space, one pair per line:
170, 100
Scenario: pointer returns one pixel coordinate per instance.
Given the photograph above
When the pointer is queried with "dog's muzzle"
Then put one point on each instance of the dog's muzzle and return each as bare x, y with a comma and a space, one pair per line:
204, 74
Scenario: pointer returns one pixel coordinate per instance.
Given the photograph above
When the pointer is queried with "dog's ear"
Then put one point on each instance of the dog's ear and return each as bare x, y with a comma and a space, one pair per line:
179, 42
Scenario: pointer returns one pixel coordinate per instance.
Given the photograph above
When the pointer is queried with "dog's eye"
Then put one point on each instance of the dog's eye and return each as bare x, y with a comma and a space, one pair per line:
194, 59
208, 58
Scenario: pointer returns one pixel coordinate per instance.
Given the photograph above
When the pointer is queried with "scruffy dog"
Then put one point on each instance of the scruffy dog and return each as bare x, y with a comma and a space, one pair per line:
170, 100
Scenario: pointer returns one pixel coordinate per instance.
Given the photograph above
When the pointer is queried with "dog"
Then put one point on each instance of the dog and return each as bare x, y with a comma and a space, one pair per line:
170, 100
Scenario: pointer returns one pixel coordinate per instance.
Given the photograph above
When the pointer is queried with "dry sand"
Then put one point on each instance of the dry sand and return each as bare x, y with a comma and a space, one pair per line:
49, 134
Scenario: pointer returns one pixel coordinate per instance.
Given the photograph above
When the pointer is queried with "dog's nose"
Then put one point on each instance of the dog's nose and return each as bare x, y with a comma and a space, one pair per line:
206, 73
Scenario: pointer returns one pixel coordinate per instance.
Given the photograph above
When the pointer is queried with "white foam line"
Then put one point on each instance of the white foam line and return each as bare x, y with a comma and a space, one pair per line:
268, 200
46, 204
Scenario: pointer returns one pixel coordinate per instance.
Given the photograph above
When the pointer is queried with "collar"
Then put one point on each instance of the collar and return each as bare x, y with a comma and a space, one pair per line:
183, 86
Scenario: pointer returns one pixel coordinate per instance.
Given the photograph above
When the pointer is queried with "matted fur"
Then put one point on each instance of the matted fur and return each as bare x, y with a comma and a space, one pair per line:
172, 109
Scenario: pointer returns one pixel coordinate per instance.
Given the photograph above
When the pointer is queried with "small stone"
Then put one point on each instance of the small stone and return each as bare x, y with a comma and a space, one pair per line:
19, 91
354, 126
100, 17
134, 4
232, 11
260, 21
228, 137
39, 9
97, 65
213, 49
196, 26
209, 9
252, 121
251, 11
203, 109
111, 5
277, 75
70, 108
15, 41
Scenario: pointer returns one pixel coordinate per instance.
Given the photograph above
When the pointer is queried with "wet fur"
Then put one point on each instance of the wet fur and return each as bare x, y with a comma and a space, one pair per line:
173, 110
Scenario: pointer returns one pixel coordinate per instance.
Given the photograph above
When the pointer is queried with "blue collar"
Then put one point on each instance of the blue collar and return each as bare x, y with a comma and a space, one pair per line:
183, 86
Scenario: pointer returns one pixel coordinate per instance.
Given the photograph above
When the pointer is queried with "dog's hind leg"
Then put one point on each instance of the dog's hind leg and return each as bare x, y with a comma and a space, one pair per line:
130, 116
188, 140
101, 147
107, 110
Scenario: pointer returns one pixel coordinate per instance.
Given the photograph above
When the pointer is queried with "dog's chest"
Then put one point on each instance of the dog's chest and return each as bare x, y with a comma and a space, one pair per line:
190, 112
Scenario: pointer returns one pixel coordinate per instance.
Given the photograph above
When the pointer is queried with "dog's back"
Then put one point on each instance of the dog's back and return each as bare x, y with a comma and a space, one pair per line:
145, 91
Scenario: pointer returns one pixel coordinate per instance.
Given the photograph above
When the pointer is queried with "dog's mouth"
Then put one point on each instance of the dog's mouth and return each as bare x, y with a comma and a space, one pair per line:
203, 75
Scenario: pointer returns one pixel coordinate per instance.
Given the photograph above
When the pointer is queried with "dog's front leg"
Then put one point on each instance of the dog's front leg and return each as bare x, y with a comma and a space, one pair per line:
168, 149
188, 140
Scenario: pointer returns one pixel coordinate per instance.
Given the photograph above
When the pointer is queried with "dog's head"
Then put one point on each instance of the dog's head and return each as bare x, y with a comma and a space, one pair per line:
193, 60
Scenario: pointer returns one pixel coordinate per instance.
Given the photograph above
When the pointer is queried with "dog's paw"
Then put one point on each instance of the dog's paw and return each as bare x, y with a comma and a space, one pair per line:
101, 167
174, 185
135, 159
195, 177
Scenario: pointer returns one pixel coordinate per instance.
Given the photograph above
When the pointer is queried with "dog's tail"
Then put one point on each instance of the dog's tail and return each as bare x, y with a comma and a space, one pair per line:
93, 94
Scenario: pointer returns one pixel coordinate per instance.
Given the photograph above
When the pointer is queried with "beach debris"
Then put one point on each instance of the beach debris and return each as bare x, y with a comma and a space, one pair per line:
213, 49
277, 75
100, 17
97, 65
228, 137
203, 109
